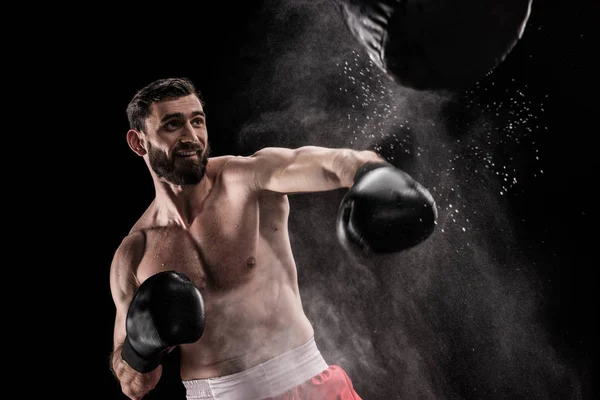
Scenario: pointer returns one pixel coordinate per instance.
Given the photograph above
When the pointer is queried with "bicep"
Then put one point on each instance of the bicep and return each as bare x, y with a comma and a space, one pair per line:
123, 281
305, 169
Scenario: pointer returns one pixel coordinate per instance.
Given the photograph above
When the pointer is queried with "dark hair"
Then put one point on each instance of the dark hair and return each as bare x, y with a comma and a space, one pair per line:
138, 108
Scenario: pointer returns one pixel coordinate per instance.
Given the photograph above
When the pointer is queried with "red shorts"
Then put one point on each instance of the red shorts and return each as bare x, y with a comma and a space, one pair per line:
331, 384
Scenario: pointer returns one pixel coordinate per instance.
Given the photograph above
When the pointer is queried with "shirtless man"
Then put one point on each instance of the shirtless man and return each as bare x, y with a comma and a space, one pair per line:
221, 223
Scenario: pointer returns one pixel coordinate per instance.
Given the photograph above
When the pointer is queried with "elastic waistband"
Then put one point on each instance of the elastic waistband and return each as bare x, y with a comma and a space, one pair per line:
268, 379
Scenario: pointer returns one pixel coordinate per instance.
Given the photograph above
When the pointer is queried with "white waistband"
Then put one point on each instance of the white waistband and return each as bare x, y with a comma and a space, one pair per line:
268, 379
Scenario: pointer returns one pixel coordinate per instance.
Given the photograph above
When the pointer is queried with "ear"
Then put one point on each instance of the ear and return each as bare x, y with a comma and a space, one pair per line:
135, 142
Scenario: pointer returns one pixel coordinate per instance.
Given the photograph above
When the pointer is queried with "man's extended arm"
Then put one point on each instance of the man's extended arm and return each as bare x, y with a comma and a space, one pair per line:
307, 168
384, 211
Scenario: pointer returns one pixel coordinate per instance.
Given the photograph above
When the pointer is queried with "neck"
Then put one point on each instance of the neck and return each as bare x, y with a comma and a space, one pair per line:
180, 204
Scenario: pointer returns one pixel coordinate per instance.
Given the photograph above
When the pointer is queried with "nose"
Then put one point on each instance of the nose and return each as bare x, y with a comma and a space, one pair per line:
188, 135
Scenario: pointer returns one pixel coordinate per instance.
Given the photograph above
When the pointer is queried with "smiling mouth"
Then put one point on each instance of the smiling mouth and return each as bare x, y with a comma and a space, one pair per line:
188, 153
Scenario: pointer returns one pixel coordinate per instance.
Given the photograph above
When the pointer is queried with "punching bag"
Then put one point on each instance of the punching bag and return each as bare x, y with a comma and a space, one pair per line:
436, 44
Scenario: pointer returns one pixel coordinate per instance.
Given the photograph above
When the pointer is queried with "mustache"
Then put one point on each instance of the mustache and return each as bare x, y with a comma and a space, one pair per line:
189, 147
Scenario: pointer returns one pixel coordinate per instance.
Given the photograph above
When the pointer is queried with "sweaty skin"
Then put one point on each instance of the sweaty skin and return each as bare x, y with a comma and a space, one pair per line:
229, 234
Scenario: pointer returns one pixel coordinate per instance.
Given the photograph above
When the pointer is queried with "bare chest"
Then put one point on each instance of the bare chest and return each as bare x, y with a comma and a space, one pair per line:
219, 249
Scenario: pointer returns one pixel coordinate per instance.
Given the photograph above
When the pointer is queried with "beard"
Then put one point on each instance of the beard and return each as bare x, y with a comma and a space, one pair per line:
179, 171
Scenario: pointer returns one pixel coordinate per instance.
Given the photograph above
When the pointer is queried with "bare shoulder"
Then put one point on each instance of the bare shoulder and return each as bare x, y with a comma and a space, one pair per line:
255, 170
132, 246
228, 167
267, 157
125, 262
216, 164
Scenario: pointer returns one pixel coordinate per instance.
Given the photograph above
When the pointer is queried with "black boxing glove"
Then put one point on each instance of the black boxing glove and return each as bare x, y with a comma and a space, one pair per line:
167, 310
436, 44
385, 211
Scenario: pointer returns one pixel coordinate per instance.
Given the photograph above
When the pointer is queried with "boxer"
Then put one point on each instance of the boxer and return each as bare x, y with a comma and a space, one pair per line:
208, 266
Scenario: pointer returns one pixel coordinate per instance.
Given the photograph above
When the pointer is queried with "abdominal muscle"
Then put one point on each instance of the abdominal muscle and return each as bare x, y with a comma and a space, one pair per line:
251, 324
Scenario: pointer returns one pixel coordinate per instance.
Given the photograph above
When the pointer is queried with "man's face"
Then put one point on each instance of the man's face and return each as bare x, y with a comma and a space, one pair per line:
177, 140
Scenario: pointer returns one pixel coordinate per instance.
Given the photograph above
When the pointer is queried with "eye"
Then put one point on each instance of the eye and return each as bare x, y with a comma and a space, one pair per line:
172, 125
198, 122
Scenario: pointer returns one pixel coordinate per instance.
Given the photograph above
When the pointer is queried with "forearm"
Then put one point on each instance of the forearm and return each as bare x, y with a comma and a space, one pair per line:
348, 161
118, 367
319, 169
134, 384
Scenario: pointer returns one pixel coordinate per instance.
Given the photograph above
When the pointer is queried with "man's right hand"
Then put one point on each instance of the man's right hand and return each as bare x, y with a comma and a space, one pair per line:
134, 384
167, 310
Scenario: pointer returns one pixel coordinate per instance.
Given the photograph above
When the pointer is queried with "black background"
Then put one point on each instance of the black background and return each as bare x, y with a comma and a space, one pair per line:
504, 309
